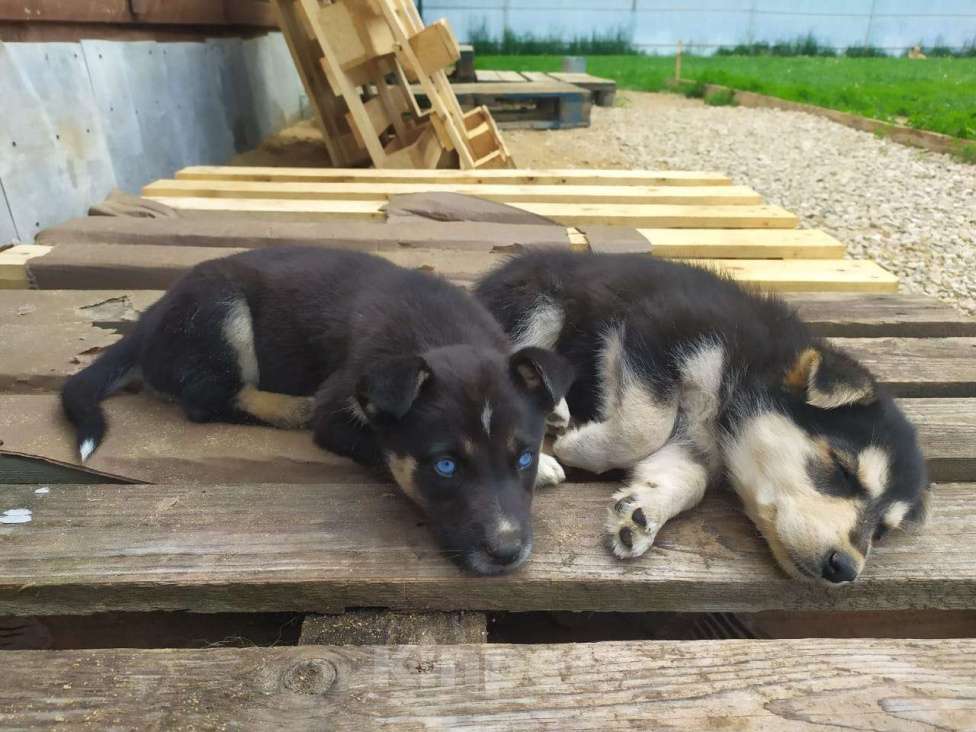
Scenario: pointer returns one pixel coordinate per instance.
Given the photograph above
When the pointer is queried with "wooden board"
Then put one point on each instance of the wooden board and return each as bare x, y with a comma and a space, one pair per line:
568, 214
569, 176
696, 685
106, 266
508, 193
13, 264
77, 325
734, 243
323, 546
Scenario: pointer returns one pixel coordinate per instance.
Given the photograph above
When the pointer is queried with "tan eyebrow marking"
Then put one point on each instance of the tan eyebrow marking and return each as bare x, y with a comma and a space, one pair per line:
872, 470
895, 514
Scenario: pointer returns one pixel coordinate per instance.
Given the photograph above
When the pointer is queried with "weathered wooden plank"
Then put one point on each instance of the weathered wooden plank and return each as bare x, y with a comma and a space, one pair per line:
866, 315
324, 547
567, 214
13, 264
251, 234
506, 192
77, 325
150, 440
209, 12
106, 266
371, 626
815, 684
569, 176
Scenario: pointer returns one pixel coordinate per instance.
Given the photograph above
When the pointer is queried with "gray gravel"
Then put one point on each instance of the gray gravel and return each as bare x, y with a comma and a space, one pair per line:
912, 211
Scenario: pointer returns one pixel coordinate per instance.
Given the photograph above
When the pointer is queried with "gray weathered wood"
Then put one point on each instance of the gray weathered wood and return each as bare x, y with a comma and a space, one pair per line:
328, 547
866, 315
917, 367
898, 685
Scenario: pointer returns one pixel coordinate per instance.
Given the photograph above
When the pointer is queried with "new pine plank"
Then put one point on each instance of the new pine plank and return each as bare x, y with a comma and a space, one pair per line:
568, 176
107, 266
567, 214
324, 546
735, 244
816, 684
507, 193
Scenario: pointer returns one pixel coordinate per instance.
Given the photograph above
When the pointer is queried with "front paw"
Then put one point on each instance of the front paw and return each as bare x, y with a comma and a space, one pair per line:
558, 420
631, 527
549, 472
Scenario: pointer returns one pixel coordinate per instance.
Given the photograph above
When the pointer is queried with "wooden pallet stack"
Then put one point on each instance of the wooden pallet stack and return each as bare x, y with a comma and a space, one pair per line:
358, 59
232, 518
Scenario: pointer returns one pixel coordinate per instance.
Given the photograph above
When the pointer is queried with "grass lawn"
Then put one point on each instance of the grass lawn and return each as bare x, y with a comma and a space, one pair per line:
936, 94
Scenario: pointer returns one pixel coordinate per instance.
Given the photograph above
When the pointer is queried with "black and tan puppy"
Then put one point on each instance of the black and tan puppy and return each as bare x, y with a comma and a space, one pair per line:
683, 377
407, 370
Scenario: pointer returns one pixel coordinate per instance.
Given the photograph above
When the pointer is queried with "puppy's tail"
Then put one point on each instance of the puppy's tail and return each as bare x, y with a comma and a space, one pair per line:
82, 393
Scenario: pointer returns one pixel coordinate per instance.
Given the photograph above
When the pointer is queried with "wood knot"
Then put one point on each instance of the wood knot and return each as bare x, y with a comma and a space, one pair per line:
312, 677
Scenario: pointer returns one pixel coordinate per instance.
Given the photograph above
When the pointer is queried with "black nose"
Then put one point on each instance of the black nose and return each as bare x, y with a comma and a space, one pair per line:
505, 547
839, 567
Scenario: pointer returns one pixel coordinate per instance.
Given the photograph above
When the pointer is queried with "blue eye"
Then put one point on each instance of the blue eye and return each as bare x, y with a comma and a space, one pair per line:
445, 467
525, 459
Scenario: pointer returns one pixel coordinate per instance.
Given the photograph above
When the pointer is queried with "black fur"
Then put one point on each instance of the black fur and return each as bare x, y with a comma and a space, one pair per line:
401, 362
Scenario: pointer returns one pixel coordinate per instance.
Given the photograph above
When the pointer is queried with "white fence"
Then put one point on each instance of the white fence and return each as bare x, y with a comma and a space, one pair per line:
656, 26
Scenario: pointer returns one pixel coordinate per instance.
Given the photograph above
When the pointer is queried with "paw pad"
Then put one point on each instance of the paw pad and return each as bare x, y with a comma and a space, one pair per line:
630, 531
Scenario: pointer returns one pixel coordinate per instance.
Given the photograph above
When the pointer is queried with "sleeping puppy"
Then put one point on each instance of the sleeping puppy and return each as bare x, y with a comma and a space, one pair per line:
408, 372
682, 376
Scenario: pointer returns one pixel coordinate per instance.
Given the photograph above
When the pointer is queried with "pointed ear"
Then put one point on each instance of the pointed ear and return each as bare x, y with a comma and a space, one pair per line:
826, 378
389, 389
544, 375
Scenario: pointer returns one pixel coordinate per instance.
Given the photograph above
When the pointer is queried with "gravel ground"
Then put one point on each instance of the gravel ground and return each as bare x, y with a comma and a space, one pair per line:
912, 211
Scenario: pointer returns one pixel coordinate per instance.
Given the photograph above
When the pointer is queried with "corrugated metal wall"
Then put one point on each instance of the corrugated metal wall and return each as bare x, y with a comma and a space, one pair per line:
658, 25
78, 119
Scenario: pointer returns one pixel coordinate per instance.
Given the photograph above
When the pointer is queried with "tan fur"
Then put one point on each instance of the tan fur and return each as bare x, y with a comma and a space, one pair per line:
403, 468
872, 471
801, 378
281, 410
803, 368
896, 514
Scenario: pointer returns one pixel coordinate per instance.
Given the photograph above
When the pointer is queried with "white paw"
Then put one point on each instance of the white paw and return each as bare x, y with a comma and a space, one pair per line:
550, 472
558, 420
631, 527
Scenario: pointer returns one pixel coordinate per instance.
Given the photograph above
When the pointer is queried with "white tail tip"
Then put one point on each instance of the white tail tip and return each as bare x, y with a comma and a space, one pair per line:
86, 449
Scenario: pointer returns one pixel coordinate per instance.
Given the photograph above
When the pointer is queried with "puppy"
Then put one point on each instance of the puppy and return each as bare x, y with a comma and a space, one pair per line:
682, 376
408, 372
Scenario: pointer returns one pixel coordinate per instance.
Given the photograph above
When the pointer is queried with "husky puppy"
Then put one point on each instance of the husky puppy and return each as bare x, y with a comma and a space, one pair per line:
408, 372
683, 377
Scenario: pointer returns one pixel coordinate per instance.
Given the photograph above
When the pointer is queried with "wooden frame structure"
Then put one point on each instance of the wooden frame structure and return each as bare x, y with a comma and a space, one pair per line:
357, 59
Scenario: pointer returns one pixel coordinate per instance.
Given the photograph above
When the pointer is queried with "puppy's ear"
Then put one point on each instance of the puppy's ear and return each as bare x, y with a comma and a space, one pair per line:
389, 389
826, 378
544, 375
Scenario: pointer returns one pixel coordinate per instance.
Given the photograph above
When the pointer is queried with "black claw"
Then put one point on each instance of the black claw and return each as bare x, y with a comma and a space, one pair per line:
639, 518
627, 537
621, 505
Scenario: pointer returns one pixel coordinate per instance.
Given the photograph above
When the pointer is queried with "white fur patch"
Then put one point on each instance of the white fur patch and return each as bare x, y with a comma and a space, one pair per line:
239, 333
86, 448
896, 514
486, 418
872, 471
550, 472
541, 327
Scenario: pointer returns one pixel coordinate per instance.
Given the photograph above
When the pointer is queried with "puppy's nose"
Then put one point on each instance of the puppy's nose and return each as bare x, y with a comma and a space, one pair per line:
505, 547
839, 567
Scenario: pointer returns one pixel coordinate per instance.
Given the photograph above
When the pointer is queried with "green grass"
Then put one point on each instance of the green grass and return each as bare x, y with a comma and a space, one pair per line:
937, 94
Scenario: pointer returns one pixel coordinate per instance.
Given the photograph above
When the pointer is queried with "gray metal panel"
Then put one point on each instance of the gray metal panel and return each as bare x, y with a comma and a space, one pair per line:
226, 58
202, 122
55, 162
155, 109
275, 84
110, 83
8, 232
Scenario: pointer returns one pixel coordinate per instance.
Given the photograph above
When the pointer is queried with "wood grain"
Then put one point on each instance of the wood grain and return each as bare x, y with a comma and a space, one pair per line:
325, 547
898, 685
570, 176
507, 193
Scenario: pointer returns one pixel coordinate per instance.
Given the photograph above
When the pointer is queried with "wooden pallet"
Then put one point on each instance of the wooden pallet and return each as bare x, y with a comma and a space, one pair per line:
519, 103
603, 91
231, 518
357, 59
